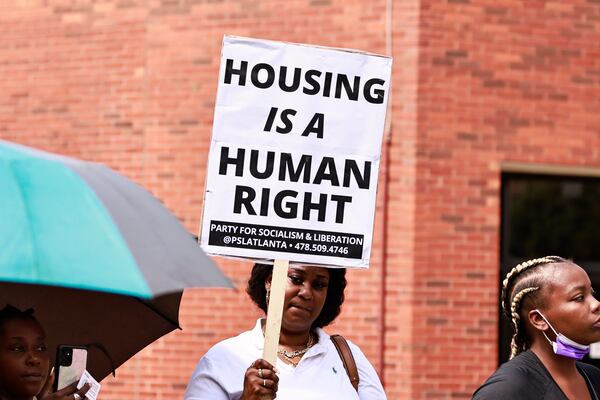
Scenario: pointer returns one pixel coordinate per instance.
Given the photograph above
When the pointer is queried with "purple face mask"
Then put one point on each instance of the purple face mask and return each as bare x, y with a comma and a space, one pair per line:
563, 346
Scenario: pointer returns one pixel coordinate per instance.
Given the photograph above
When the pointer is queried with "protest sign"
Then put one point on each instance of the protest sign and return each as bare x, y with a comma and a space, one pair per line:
295, 153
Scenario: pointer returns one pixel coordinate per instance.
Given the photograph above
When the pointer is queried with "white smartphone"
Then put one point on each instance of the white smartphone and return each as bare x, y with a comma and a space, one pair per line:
70, 363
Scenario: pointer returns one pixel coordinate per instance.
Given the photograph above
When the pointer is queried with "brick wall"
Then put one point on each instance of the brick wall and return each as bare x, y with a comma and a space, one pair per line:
498, 81
131, 83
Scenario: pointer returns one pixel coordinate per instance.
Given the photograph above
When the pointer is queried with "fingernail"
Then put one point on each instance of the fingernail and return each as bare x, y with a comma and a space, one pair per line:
52, 371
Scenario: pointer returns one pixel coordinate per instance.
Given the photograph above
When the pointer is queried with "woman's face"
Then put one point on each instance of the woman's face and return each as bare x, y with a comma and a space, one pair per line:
24, 359
571, 306
305, 296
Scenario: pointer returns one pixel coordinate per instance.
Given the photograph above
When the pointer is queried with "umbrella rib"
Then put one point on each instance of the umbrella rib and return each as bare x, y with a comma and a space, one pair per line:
101, 347
166, 318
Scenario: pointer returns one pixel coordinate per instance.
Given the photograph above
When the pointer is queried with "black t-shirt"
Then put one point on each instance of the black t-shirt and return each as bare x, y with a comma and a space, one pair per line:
525, 378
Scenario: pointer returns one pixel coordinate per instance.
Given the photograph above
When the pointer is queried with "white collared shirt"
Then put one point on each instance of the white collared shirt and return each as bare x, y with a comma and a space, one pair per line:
320, 374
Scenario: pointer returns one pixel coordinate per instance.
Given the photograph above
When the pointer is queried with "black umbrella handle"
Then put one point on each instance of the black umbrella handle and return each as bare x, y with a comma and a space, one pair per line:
101, 347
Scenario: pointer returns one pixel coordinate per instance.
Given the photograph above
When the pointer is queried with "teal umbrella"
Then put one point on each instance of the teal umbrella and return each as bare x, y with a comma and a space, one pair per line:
85, 246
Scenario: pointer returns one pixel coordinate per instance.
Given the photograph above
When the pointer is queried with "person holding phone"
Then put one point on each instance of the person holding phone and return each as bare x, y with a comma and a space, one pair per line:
555, 317
25, 362
308, 365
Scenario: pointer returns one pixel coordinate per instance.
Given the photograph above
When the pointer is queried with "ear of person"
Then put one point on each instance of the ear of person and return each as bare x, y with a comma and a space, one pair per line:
536, 320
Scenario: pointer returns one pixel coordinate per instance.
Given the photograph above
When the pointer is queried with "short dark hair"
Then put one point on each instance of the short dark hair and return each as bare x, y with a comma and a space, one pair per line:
333, 302
10, 312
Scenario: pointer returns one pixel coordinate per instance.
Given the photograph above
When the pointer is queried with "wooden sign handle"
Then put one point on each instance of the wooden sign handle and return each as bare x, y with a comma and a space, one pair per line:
275, 310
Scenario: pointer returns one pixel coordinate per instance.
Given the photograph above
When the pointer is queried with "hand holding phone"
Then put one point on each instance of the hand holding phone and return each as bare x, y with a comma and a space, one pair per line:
68, 393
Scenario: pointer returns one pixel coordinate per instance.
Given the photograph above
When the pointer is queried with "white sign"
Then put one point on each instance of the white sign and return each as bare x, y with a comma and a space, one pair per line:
295, 153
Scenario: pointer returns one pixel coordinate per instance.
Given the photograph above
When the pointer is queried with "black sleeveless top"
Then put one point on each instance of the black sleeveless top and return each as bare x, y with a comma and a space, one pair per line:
525, 378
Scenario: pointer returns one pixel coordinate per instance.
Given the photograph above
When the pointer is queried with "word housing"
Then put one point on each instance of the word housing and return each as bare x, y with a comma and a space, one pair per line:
315, 82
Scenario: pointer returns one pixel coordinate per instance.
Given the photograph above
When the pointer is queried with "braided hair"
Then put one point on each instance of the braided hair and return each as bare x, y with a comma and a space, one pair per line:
524, 281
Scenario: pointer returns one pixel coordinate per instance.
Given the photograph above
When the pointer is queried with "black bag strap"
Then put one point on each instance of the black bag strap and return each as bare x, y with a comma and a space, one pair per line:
341, 345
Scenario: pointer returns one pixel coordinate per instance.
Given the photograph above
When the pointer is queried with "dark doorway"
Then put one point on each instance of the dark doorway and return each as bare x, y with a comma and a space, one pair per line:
549, 215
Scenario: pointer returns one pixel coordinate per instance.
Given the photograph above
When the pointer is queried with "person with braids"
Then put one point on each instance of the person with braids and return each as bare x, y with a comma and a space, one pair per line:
555, 317
308, 365
24, 360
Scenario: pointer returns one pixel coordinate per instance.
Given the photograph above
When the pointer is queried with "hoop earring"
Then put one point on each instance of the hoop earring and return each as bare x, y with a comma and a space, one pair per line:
267, 296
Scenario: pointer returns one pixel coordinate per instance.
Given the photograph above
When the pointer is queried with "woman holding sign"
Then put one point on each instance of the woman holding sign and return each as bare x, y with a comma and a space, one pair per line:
555, 317
308, 365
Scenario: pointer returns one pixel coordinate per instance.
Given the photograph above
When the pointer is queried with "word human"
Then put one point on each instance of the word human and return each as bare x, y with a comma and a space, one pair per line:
302, 170
311, 82
291, 204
